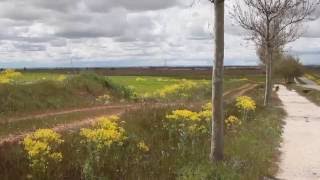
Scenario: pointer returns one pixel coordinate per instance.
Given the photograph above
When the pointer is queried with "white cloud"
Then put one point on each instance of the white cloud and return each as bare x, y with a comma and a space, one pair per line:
122, 32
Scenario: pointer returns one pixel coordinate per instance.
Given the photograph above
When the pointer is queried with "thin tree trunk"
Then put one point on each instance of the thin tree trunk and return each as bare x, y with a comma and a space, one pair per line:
268, 88
217, 139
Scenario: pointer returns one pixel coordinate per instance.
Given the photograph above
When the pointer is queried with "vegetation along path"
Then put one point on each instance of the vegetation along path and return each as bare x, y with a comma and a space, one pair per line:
309, 84
301, 143
73, 125
91, 115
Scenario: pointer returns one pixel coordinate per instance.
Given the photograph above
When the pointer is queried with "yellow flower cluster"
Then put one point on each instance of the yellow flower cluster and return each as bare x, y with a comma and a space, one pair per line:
184, 115
189, 122
206, 112
196, 129
232, 121
105, 134
8, 75
104, 99
141, 79
61, 78
41, 148
240, 79
162, 80
207, 106
245, 103
180, 89
143, 147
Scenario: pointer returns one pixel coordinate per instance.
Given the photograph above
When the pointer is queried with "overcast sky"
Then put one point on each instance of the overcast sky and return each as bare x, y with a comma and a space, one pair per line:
52, 33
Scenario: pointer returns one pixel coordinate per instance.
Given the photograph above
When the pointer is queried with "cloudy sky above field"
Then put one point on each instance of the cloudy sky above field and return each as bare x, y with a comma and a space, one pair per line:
51, 33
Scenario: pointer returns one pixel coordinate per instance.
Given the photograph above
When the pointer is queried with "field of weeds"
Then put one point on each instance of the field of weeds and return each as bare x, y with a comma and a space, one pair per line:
145, 128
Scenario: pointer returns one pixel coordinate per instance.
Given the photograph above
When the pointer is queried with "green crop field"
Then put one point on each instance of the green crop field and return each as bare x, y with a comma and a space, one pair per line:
149, 84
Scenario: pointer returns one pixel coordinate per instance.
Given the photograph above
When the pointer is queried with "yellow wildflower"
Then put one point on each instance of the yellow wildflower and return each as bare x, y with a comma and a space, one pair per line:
179, 89
8, 75
184, 115
206, 112
206, 115
106, 133
41, 148
196, 129
143, 147
245, 103
61, 78
140, 79
207, 106
232, 121
187, 122
105, 99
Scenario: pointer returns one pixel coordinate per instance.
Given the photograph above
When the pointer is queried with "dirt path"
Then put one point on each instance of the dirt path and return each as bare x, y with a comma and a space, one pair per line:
300, 159
56, 113
233, 94
110, 110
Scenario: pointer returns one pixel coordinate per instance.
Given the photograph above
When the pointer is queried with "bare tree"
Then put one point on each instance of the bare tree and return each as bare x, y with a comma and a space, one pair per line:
217, 139
271, 25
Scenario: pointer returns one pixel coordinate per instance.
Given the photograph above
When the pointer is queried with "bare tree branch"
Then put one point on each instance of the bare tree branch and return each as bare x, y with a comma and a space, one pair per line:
271, 25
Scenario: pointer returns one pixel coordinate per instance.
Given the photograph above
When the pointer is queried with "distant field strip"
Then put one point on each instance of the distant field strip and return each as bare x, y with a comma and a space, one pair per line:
149, 84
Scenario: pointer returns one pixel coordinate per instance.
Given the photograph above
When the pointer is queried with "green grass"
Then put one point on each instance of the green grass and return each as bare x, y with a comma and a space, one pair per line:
313, 76
249, 150
77, 91
149, 84
32, 124
34, 77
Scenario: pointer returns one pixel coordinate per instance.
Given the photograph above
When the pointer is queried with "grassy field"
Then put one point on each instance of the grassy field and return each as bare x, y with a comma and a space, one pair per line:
144, 143
32, 124
165, 154
40, 96
36, 93
34, 77
148, 84
312, 94
313, 75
